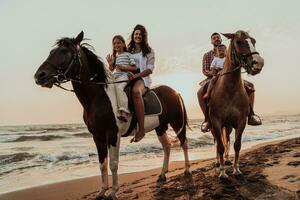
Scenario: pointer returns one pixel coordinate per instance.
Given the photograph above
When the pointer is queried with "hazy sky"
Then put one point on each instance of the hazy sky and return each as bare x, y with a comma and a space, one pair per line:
179, 32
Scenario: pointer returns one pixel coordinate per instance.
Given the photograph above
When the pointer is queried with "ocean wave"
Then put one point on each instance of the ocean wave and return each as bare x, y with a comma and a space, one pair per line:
143, 148
16, 157
40, 138
7, 171
23, 133
67, 156
49, 129
83, 135
200, 142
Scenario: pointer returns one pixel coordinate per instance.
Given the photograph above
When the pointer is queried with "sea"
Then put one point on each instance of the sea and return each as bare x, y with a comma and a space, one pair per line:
33, 155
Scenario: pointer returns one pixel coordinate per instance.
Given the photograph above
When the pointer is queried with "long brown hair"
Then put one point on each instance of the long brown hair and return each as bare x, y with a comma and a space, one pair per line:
114, 53
144, 44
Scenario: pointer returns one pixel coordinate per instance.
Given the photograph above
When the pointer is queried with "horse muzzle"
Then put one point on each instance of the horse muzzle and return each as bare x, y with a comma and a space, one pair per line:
43, 79
257, 64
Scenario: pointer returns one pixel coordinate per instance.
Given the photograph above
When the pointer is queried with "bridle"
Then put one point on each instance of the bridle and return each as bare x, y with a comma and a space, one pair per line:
242, 62
61, 75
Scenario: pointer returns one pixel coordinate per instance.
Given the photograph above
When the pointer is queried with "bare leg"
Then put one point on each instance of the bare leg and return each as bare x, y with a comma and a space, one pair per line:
137, 93
167, 148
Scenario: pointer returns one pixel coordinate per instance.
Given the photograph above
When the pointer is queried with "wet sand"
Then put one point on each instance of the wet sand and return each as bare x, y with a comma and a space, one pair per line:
270, 171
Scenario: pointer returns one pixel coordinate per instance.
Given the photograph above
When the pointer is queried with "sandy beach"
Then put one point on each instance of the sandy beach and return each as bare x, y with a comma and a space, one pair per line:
271, 171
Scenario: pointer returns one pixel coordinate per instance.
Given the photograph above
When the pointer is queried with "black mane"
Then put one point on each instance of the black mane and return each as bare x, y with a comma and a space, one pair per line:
96, 65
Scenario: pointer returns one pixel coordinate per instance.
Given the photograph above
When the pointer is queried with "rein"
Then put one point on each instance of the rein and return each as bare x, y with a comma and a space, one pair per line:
80, 82
61, 76
242, 64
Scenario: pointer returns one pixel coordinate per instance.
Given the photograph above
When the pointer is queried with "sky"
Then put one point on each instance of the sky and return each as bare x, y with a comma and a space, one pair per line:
179, 32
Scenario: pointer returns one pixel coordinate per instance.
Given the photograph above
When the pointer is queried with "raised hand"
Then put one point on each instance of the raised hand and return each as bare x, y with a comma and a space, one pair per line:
110, 60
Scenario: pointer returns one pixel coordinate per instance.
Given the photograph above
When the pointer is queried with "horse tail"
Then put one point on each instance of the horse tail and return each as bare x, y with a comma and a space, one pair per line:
181, 133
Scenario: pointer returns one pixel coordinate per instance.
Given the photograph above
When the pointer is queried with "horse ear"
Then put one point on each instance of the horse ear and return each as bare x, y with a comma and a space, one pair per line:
228, 35
79, 37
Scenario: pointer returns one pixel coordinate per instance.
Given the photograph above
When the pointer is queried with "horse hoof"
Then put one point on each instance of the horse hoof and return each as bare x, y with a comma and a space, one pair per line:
161, 179
223, 176
187, 174
228, 162
100, 197
237, 172
111, 197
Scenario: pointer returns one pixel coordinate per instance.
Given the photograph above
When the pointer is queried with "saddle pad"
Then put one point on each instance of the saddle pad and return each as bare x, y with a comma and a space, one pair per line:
152, 103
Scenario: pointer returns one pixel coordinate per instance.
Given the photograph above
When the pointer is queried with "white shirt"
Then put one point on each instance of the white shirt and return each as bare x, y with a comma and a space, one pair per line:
143, 63
217, 62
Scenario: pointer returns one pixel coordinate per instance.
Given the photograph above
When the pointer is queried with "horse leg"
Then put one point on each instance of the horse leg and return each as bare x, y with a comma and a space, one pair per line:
217, 154
217, 132
179, 126
167, 148
217, 165
104, 176
102, 155
237, 148
226, 143
113, 165
184, 147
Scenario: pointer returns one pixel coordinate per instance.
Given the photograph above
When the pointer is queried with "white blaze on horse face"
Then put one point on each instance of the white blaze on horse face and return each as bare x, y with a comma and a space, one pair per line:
252, 48
259, 61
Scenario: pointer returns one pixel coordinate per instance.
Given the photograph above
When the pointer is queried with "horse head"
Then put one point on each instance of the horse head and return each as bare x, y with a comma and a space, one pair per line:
63, 63
243, 52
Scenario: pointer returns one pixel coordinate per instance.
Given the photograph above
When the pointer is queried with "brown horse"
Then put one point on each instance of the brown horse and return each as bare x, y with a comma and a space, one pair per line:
73, 61
229, 103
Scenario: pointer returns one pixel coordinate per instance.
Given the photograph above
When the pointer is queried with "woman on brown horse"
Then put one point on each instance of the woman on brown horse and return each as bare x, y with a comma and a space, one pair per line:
93, 85
229, 102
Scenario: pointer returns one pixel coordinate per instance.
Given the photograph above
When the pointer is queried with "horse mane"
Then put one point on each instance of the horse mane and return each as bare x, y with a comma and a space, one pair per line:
96, 66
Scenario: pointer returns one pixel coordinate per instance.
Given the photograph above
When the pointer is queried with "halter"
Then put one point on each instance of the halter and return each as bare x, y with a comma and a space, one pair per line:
242, 63
61, 76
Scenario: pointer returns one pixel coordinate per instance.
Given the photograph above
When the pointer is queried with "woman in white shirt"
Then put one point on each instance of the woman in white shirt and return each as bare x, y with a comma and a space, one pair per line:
143, 56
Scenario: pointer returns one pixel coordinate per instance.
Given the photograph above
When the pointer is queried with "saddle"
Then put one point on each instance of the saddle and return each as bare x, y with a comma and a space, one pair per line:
151, 102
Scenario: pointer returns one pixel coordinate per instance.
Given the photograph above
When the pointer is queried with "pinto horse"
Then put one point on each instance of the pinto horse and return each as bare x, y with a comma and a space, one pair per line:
229, 103
72, 61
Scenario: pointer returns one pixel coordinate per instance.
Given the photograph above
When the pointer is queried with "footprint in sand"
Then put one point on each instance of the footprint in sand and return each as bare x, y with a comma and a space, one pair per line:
294, 163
